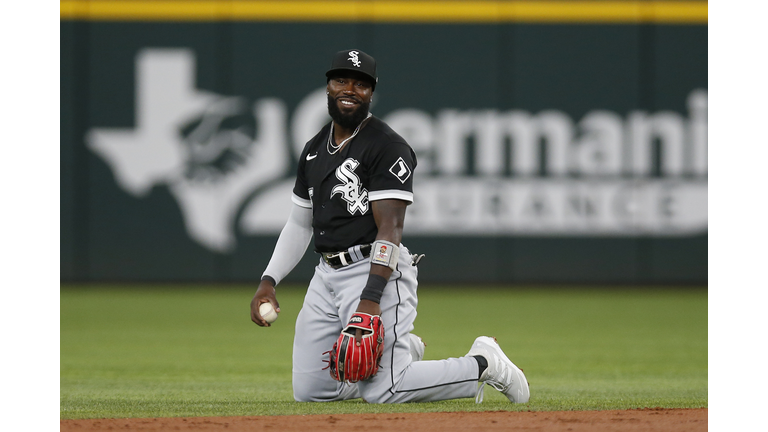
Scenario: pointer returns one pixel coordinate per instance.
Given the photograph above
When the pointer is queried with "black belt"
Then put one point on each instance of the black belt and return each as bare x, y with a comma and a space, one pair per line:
350, 256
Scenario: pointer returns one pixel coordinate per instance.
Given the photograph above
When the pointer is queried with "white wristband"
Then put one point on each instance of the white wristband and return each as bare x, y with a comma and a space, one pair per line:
385, 253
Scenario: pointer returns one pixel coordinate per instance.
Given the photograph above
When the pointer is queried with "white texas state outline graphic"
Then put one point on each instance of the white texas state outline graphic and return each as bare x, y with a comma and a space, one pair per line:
153, 153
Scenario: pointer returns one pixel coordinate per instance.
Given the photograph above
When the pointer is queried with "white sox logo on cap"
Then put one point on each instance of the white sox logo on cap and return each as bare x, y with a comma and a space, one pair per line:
354, 58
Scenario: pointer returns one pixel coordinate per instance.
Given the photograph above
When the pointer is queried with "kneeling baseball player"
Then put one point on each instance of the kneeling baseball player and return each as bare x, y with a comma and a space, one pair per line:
353, 333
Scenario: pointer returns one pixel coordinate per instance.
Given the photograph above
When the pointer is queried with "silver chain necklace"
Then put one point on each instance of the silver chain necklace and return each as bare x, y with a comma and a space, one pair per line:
336, 148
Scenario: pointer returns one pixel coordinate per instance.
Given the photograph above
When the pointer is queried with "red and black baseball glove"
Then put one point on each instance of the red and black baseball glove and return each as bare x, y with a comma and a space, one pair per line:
352, 363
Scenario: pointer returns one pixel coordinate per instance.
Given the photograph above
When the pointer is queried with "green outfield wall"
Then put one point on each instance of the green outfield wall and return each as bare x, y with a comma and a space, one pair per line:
558, 142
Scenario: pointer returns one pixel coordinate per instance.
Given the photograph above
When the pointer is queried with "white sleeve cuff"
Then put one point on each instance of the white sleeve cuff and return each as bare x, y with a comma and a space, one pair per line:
301, 202
390, 194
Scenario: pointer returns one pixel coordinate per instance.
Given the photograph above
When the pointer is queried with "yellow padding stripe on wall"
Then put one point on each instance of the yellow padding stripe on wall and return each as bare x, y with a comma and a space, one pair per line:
488, 12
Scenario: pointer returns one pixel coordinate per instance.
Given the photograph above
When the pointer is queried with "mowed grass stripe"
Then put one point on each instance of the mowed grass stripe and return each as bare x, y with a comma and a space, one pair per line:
192, 351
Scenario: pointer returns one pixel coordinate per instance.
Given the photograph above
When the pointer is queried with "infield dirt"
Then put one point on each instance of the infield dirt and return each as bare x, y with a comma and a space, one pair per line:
679, 420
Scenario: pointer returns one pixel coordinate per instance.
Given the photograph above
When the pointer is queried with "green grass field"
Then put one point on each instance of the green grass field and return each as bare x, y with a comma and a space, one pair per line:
146, 351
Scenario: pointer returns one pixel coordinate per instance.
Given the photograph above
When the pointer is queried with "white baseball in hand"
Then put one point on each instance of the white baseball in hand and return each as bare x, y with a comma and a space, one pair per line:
267, 312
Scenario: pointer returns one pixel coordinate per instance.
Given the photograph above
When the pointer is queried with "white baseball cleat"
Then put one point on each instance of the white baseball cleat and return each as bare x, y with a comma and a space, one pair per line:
501, 373
417, 347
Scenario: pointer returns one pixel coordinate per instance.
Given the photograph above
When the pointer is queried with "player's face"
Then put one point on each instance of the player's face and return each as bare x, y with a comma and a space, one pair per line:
349, 97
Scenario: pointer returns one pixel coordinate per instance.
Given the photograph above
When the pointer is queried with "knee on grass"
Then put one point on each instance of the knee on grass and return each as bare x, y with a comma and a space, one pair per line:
377, 395
308, 389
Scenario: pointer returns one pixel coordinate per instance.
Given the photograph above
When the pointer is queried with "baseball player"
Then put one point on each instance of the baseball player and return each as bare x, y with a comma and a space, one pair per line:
353, 334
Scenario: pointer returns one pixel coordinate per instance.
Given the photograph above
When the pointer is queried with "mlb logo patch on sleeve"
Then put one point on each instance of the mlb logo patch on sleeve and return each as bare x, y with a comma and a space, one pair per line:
400, 170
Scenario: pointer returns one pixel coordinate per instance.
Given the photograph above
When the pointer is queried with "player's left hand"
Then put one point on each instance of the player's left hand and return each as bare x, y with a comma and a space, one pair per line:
351, 362
369, 307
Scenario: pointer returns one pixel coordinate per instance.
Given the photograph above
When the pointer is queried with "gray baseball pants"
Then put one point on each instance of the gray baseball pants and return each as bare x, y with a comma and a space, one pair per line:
332, 298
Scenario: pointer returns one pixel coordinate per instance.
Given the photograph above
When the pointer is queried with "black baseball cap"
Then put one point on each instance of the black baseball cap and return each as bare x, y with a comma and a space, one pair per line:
354, 60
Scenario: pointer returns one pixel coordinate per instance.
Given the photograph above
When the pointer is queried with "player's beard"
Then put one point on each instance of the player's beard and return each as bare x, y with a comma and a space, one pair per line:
351, 120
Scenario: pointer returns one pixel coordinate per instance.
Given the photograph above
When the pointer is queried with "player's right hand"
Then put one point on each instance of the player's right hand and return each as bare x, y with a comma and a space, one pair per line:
265, 293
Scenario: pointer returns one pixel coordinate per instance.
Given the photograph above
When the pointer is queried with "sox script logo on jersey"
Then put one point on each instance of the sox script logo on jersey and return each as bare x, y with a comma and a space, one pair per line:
350, 189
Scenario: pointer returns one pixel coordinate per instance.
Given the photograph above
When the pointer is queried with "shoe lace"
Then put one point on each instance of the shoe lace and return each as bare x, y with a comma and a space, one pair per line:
479, 395
497, 384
